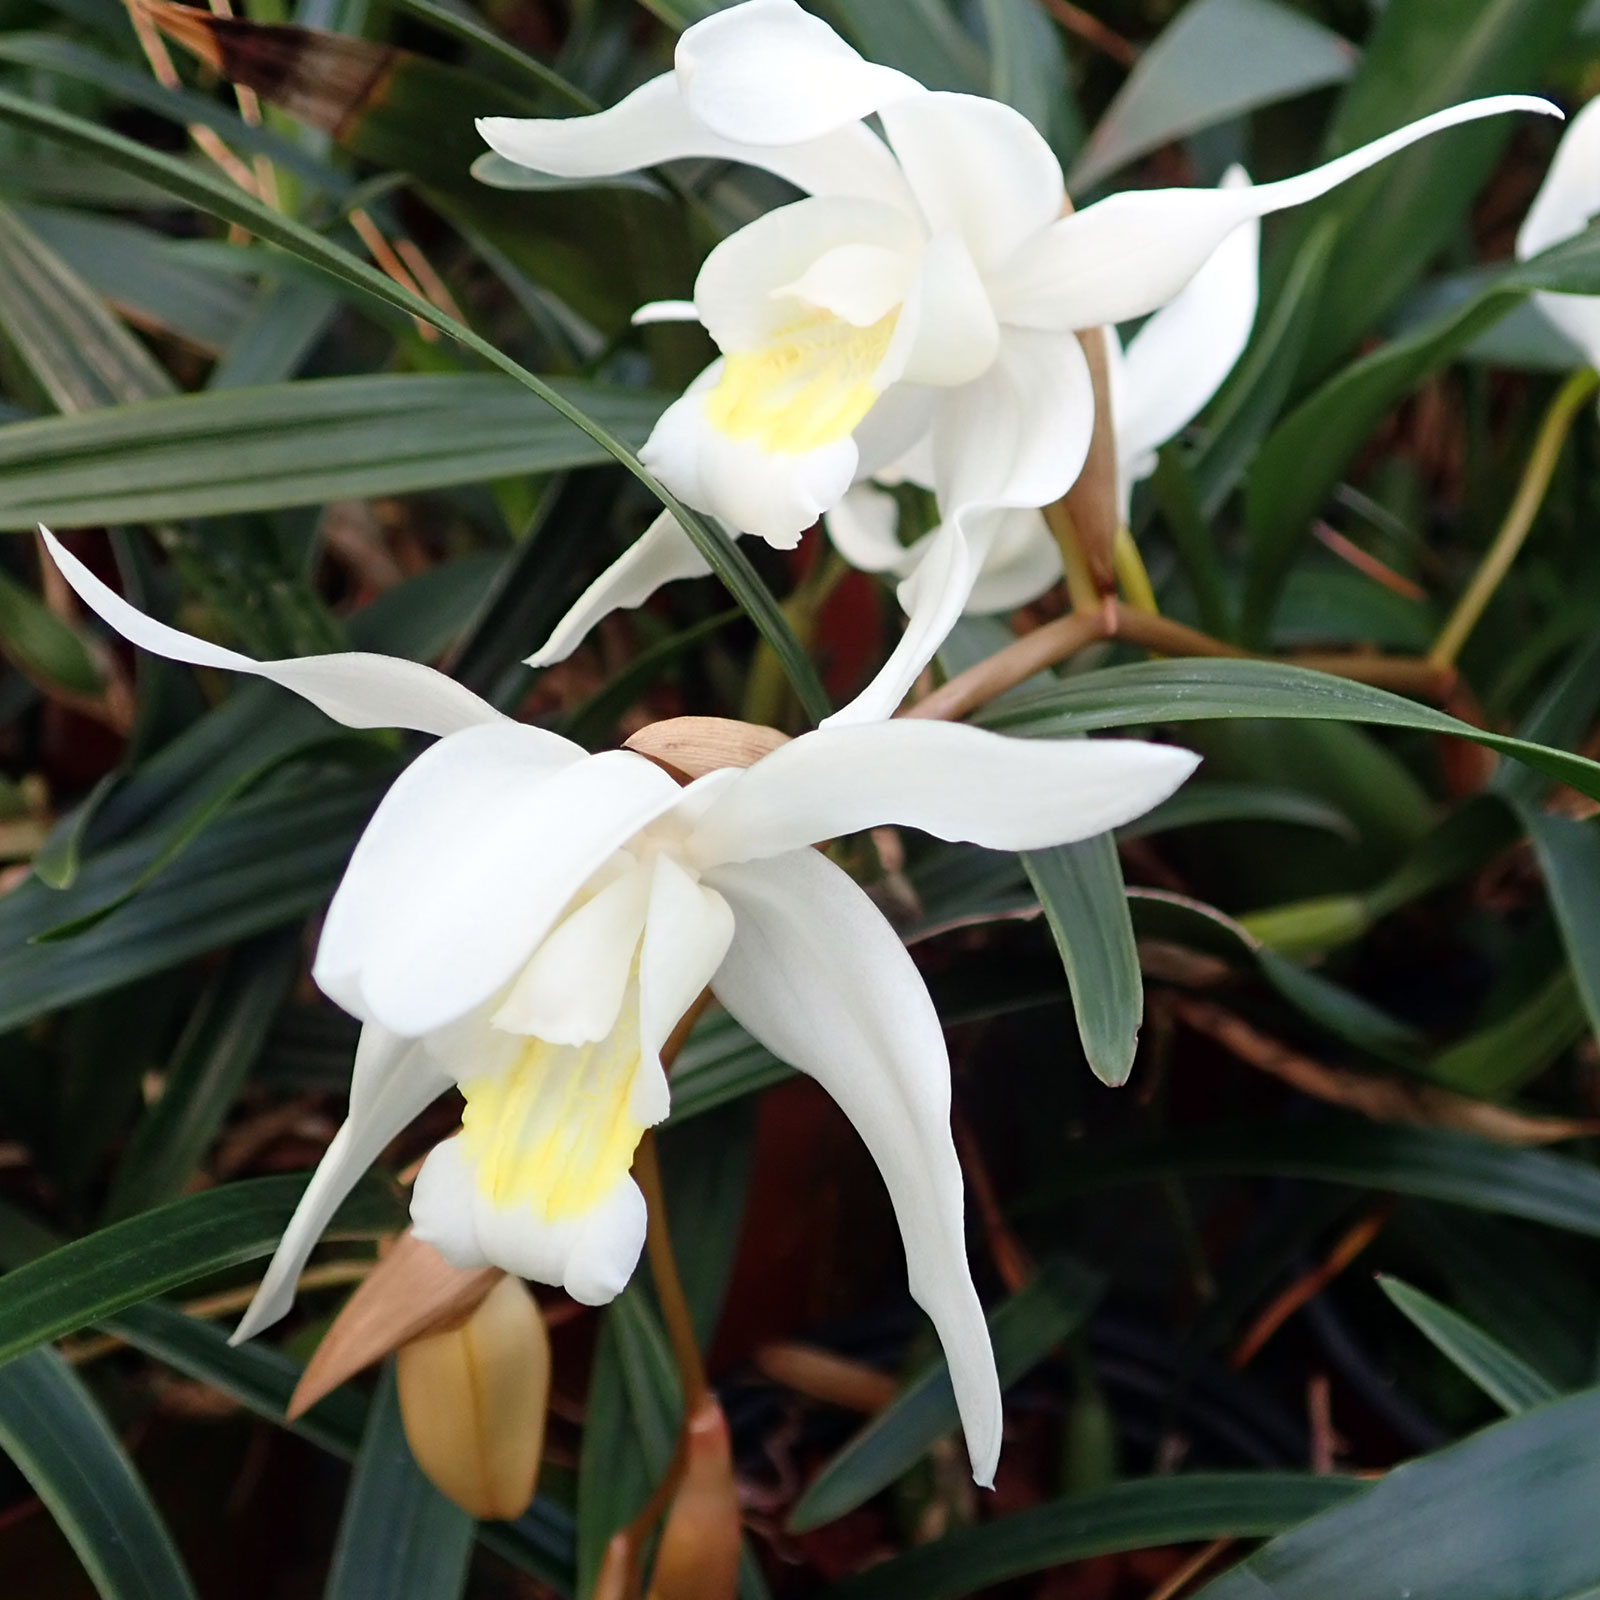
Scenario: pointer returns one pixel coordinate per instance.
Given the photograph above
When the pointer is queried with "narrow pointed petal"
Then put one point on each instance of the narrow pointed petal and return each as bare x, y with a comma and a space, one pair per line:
653, 125
1131, 252
769, 73
357, 688
405, 1081
665, 311
978, 168
953, 781
591, 1254
492, 844
1024, 562
933, 598
1179, 358
819, 977
663, 553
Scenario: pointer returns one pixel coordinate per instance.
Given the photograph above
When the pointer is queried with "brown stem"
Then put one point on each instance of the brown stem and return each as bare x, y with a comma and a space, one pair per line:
669, 1287
1064, 637
1092, 31
1091, 502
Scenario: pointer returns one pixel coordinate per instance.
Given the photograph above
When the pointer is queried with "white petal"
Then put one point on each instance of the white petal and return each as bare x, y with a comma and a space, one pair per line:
1023, 562
1129, 253
686, 936
1568, 198
653, 125
1019, 435
571, 991
862, 283
591, 1255
746, 289
933, 598
662, 554
819, 977
948, 779
893, 438
774, 496
481, 847
430, 809
862, 527
1178, 359
947, 334
356, 688
977, 168
665, 311
767, 73
400, 1080
1570, 193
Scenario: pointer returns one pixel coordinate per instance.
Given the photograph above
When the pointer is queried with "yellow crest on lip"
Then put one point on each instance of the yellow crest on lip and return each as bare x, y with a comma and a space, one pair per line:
808, 386
553, 1131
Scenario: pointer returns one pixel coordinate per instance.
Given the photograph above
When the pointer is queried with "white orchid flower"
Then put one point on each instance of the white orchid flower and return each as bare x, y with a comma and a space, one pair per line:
1159, 383
1566, 202
928, 286
528, 923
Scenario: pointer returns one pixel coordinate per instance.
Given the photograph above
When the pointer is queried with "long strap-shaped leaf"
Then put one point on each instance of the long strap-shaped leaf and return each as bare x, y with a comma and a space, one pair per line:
399, 1535
52, 1429
1201, 691
220, 199
97, 1276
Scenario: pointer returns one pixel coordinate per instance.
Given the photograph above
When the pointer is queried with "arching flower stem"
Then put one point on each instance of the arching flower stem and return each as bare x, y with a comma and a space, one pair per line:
1569, 399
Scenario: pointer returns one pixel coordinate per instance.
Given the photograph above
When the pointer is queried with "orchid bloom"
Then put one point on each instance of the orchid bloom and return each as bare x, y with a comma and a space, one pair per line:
528, 923
927, 287
1171, 367
1566, 202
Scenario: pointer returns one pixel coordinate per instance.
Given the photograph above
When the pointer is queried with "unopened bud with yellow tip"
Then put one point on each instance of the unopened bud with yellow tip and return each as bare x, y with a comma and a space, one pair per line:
473, 1400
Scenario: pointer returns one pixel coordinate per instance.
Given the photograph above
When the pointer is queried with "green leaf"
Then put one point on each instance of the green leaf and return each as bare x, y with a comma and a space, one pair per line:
1432, 1163
1196, 690
94, 1277
1028, 70
1217, 59
718, 1063
1503, 1515
1507, 1379
1251, 400
1568, 852
1125, 1516
52, 1429
1024, 1330
398, 1535
269, 860
1199, 802
1519, 1046
231, 204
1081, 889
1303, 458
41, 644
293, 444
219, 1045
920, 37
1421, 57
81, 354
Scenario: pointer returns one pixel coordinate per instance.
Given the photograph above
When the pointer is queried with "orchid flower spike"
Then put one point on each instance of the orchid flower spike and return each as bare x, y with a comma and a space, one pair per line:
1566, 202
1171, 367
927, 288
527, 923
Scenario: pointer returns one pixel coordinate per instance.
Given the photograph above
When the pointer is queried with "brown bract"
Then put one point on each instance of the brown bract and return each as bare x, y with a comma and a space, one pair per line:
413, 1291
690, 747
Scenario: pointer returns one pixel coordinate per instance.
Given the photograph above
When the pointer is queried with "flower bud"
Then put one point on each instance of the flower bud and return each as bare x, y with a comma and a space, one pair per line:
473, 1400
698, 1557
